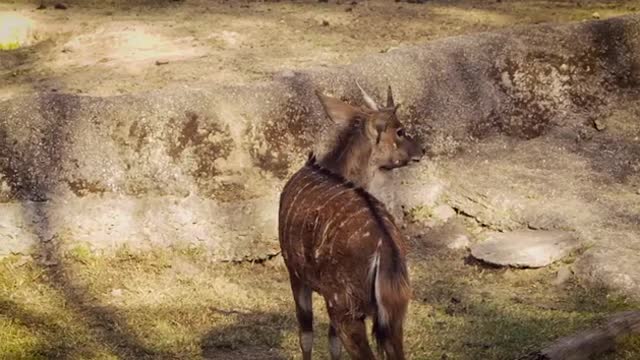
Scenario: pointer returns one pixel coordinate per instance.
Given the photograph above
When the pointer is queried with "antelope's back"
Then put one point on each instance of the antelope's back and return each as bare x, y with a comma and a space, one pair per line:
329, 229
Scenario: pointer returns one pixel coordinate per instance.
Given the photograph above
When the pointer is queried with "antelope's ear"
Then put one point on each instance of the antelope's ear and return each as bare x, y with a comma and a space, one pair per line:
390, 102
375, 127
338, 111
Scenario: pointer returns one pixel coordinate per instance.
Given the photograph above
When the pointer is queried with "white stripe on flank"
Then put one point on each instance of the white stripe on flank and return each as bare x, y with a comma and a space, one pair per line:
295, 177
333, 196
328, 223
338, 213
315, 224
292, 182
304, 219
343, 222
366, 223
306, 210
317, 210
351, 216
293, 201
327, 202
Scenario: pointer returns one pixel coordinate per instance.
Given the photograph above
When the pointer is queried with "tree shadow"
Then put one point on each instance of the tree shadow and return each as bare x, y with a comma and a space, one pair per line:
55, 345
34, 169
611, 53
251, 336
499, 313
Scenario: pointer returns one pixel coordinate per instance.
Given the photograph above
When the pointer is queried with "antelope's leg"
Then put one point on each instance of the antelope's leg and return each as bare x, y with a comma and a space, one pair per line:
304, 313
391, 344
335, 346
353, 334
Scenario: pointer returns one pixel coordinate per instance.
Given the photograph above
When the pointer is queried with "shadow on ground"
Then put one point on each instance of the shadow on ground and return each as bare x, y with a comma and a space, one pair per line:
33, 179
476, 311
249, 336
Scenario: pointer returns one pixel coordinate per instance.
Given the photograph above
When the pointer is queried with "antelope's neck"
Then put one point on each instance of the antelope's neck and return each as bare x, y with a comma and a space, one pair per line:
352, 162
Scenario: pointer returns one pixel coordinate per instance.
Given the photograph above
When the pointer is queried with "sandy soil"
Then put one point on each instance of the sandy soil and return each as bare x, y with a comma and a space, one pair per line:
114, 47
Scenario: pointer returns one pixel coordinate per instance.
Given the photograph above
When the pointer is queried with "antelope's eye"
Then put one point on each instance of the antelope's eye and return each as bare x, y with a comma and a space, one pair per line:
400, 132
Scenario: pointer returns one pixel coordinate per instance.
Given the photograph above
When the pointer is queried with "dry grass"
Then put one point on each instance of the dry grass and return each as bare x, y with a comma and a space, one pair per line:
178, 304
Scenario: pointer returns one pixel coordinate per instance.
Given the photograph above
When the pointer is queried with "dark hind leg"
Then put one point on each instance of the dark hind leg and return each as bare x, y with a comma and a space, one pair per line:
352, 333
335, 346
389, 339
304, 313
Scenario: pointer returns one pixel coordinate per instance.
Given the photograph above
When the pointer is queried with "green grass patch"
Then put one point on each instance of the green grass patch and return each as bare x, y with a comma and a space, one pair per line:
10, 45
418, 214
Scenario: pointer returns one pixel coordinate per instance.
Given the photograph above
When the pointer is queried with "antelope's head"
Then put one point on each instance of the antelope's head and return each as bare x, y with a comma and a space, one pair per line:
381, 134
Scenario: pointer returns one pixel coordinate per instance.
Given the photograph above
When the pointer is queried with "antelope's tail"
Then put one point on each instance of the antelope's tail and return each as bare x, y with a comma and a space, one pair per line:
390, 293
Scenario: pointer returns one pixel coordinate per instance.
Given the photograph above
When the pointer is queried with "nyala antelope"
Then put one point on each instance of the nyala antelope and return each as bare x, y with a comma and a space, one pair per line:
340, 241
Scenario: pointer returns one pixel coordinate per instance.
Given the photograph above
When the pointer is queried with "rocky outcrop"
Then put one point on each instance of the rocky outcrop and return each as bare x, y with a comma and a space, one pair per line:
203, 164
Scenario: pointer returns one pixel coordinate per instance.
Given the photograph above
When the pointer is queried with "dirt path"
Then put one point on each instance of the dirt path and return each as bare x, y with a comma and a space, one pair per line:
109, 48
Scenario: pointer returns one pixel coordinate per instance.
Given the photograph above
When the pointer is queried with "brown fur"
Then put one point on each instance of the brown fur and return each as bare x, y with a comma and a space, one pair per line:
340, 241
367, 142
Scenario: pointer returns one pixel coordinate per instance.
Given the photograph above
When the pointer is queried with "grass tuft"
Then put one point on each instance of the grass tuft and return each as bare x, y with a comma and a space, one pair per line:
9, 45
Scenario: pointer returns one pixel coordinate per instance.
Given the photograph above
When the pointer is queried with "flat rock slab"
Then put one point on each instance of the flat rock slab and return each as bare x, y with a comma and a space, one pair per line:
525, 248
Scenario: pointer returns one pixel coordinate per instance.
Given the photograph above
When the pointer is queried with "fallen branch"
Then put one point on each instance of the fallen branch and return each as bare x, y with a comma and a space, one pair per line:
587, 344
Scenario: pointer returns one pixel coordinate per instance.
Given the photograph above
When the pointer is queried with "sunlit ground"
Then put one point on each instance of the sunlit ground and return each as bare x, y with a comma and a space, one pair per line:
115, 47
177, 304
15, 31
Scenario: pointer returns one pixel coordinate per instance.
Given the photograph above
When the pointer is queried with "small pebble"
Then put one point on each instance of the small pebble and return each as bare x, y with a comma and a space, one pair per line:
599, 124
595, 15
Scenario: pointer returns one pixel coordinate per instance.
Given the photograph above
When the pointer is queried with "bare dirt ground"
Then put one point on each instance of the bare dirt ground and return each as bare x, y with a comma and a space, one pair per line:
114, 47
